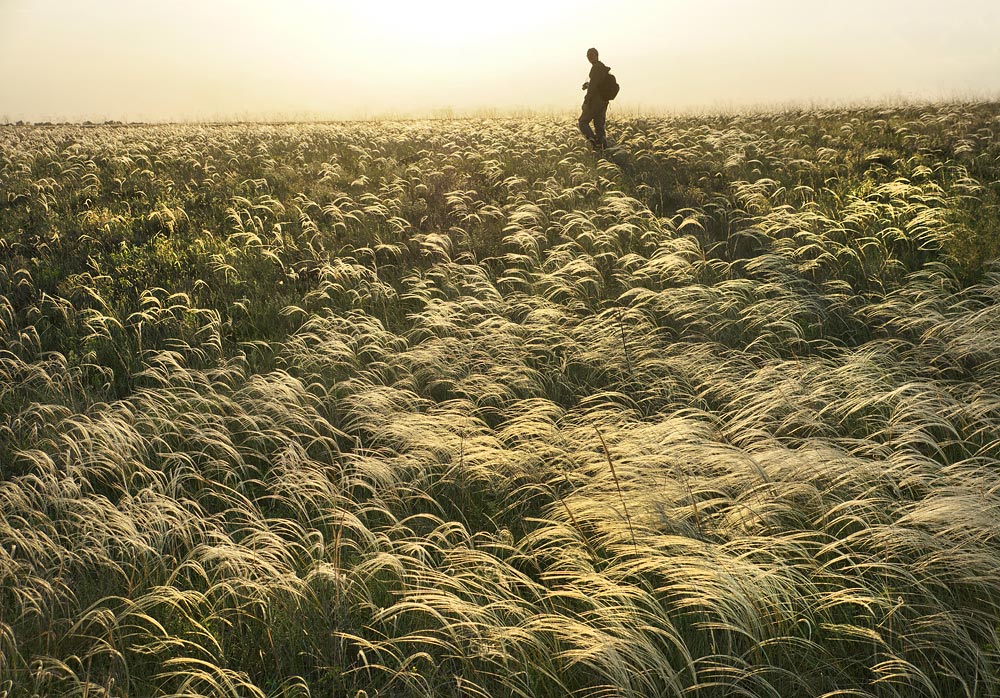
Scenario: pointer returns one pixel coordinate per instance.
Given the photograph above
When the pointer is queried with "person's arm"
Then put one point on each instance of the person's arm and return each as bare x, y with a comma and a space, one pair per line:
594, 84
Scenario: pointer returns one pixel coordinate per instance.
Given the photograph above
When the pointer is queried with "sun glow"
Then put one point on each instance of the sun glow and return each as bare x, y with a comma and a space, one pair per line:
457, 22
448, 52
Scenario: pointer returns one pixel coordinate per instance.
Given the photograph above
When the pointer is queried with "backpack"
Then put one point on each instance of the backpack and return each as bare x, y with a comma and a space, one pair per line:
610, 87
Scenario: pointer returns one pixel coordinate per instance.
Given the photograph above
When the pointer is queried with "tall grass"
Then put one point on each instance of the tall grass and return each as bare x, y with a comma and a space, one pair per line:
458, 409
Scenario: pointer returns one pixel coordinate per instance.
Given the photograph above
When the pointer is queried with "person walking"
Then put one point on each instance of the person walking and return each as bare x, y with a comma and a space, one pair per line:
595, 106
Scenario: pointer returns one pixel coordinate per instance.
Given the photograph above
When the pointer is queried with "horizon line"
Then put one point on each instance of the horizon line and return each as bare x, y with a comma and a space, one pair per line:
447, 113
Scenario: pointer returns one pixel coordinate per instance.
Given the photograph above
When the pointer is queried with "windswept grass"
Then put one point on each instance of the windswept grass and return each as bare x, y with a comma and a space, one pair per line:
457, 409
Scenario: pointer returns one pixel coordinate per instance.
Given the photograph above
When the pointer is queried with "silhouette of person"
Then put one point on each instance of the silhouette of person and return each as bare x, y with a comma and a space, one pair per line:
595, 107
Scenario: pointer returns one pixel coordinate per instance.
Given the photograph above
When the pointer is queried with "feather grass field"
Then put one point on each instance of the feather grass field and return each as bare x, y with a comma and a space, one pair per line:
456, 408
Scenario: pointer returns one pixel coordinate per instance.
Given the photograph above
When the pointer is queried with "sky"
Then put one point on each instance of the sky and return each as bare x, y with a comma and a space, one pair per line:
168, 60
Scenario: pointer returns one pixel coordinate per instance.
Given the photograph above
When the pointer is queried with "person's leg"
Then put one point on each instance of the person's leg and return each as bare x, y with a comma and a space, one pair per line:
586, 117
600, 117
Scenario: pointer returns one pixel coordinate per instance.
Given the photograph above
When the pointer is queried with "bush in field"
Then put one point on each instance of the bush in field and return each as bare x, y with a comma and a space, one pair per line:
457, 408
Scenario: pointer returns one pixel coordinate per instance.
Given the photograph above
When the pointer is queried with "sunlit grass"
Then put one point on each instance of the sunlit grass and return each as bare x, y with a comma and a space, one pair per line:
456, 408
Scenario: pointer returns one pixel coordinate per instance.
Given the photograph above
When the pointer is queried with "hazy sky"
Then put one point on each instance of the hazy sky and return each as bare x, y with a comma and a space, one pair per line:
196, 59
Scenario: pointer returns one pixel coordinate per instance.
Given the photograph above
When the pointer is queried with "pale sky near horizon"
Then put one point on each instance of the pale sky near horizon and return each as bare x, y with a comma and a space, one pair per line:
225, 59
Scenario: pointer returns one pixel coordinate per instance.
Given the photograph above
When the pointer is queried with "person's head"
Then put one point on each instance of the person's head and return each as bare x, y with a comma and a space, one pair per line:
592, 55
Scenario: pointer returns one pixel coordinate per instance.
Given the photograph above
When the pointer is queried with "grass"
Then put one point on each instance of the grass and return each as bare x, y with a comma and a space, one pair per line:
455, 408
